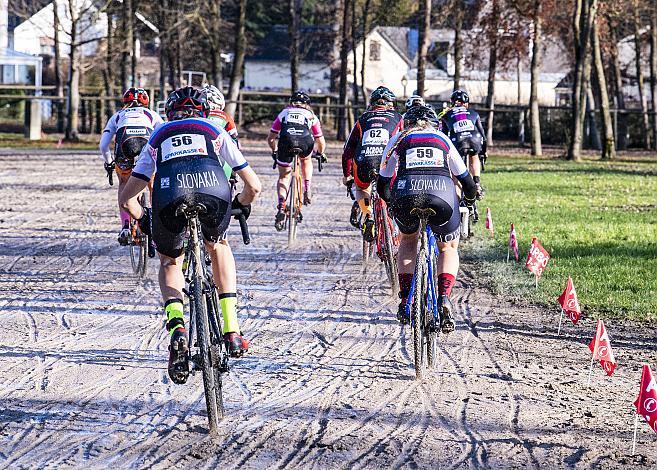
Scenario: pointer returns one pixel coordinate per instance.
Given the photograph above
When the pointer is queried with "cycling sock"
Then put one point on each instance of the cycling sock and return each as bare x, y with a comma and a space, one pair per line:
125, 218
365, 206
175, 315
281, 202
476, 179
306, 185
228, 304
405, 280
445, 283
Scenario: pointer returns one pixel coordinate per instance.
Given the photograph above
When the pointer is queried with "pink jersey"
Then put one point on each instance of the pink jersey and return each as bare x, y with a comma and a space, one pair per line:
298, 116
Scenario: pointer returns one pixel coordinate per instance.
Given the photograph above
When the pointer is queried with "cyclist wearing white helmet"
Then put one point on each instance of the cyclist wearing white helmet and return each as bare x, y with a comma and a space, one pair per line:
217, 114
414, 100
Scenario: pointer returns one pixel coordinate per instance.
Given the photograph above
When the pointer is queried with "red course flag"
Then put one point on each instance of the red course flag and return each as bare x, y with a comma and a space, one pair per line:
569, 303
537, 258
601, 349
646, 402
513, 242
489, 222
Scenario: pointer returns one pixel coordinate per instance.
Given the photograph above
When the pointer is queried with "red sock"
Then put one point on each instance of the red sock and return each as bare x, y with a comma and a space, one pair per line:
445, 283
405, 280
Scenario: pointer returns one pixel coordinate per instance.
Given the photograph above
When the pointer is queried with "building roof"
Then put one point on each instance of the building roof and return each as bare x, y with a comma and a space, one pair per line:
315, 44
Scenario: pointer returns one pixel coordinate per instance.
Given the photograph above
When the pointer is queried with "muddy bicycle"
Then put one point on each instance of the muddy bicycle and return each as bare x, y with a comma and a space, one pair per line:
422, 305
293, 215
208, 353
469, 213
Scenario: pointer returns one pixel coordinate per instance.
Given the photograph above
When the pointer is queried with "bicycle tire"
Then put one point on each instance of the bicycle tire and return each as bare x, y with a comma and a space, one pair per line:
390, 258
219, 348
367, 251
432, 336
418, 308
203, 334
292, 205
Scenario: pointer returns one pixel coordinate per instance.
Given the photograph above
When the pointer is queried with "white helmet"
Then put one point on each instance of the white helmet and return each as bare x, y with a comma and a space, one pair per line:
414, 100
215, 97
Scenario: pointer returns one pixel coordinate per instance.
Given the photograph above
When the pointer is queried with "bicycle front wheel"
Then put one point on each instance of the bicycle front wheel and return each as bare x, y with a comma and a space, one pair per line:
293, 206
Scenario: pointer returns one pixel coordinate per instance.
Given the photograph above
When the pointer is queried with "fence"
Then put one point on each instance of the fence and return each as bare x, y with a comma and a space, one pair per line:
510, 122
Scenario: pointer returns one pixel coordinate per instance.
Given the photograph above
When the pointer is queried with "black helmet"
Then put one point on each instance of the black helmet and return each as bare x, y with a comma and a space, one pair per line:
300, 97
186, 102
460, 95
420, 113
382, 94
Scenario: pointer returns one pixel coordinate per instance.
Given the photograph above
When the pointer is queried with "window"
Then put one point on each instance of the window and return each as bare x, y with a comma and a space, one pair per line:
375, 51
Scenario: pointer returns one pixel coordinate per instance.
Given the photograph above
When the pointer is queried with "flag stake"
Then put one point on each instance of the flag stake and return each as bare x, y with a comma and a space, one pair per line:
536, 280
636, 425
588, 384
560, 320
507, 255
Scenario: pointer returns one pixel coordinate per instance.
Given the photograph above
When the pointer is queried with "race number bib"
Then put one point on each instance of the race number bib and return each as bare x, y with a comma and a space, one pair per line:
424, 157
376, 137
183, 145
296, 118
464, 126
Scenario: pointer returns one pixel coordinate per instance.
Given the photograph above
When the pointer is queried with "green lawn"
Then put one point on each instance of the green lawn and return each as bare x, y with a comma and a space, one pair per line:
597, 220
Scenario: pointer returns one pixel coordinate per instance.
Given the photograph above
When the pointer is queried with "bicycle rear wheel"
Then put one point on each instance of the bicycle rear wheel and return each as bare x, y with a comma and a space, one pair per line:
432, 336
293, 207
418, 307
368, 248
218, 350
390, 258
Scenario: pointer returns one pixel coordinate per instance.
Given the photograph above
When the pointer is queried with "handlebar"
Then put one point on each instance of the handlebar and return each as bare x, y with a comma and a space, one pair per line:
109, 168
350, 187
321, 159
238, 215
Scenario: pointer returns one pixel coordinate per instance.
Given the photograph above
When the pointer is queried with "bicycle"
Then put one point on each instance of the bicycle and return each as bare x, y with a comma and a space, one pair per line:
293, 215
469, 213
138, 242
208, 354
422, 304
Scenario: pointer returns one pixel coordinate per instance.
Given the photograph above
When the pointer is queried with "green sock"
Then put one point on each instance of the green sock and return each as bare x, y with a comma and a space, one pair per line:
175, 314
228, 304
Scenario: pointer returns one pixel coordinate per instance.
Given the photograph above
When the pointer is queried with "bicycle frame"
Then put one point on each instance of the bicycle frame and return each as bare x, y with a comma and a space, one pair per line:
432, 295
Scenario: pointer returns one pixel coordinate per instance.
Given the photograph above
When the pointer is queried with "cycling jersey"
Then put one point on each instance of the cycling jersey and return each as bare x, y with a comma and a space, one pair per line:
297, 129
187, 159
463, 125
223, 120
367, 141
132, 127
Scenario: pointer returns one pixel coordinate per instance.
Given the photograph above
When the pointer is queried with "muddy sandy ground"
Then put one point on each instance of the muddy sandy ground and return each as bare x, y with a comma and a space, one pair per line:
329, 381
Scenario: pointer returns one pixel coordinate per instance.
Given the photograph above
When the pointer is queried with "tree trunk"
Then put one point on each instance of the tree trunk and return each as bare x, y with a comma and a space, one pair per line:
59, 85
238, 59
344, 53
458, 46
653, 71
534, 113
354, 56
608, 144
591, 118
72, 117
366, 30
641, 83
133, 43
619, 98
492, 71
585, 11
423, 45
295, 9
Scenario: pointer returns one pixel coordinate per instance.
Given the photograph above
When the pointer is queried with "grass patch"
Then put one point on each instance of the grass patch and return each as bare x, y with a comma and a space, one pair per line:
48, 141
598, 221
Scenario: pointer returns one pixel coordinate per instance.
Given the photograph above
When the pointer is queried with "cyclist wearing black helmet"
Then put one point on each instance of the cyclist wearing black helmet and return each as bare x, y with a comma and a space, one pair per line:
131, 125
416, 172
295, 127
362, 153
463, 125
187, 155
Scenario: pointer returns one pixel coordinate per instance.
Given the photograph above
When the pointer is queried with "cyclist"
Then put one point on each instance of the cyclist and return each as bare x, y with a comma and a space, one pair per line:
295, 127
217, 114
416, 172
414, 100
132, 125
463, 125
186, 156
362, 153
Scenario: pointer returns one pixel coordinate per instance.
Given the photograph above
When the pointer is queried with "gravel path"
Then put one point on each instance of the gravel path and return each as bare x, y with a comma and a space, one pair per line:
329, 381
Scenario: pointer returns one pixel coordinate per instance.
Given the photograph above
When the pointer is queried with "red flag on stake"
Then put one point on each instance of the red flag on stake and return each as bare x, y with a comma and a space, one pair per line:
513, 244
601, 349
646, 402
59, 143
489, 222
569, 304
537, 259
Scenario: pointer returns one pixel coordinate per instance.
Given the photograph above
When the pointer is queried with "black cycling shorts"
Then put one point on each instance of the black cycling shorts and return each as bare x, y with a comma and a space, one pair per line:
199, 181
294, 139
469, 145
367, 168
427, 191
129, 142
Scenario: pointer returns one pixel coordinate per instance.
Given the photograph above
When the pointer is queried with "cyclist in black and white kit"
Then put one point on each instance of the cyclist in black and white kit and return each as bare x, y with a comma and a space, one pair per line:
416, 172
187, 156
463, 126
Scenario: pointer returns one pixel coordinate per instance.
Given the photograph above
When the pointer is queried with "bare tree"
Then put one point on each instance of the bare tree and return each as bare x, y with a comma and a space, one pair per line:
208, 18
366, 30
295, 9
423, 44
653, 70
608, 144
59, 84
492, 67
344, 54
238, 59
534, 113
354, 38
639, 76
458, 43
